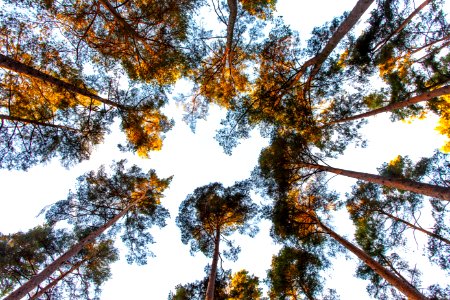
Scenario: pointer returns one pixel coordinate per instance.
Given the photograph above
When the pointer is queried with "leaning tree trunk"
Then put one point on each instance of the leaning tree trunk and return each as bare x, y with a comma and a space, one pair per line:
56, 280
18, 67
213, 273
445, 90
403, 286
353, 17
37, 279
402, 25
415, 227
233, 7
398, 183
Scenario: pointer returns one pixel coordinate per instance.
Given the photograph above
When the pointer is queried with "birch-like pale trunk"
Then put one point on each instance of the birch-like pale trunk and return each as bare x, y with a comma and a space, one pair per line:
21, 68
37, 279
403, 286
445, 90
213, 273
435, 191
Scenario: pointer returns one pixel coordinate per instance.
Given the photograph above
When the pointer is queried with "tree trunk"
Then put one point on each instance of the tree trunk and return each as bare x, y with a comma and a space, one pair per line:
445, 90
37, 279
232, 6
213, 273
435, 191
400, 28
403, 286
412, 226
120, 19
18, 67
353, 17
34, 122
56, 280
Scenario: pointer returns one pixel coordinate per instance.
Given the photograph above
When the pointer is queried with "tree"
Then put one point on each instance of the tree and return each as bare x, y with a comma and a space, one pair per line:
24, 254
295, 273
299, 216
146, 37
289, 159
244, 286
50, 108
212, 213
99, 203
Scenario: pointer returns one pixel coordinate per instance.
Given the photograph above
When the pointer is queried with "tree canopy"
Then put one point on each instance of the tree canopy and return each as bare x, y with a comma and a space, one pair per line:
75, 73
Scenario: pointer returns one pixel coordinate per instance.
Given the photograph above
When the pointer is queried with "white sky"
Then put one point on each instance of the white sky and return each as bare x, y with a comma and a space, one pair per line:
196, 160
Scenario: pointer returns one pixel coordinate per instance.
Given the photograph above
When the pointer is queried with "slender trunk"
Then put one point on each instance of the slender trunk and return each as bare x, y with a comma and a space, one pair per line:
400, 28
429, 233
353, 17
56, 280
232, 6
445, 90
213, 273
18, 67
37, 279
403, 286
34, 122
398, 183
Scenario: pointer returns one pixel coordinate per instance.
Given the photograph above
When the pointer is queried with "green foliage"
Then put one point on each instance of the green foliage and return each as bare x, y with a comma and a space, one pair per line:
100, 196
214, 210
25, 254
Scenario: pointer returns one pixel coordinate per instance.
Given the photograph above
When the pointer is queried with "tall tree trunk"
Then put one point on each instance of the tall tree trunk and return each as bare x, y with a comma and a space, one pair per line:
37, 279
233, 7
415, 227
213, 273
398, 183
18, 67
445, 90
356, 13
400, 28
56, 280
403, 286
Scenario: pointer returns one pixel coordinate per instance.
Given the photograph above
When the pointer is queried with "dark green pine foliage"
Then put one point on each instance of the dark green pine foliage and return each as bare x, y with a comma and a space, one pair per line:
23, 254
210, 215
295, 274
100, 196
197, 290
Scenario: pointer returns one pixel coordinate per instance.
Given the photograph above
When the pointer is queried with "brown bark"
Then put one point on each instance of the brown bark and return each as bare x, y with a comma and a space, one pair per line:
403, 286
18, 67
120, 19
34, 281
415, 227
213, 273
398, 183
354, 16
400, 28
232, 5
445, 90
34, 122
56, 280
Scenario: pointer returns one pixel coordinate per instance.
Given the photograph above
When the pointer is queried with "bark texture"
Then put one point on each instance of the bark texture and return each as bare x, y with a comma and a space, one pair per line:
403, 286
213, 273
435, 191
445, 90
18, 67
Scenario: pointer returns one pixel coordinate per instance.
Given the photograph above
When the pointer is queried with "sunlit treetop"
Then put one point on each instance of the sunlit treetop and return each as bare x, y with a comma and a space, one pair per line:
101, 196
